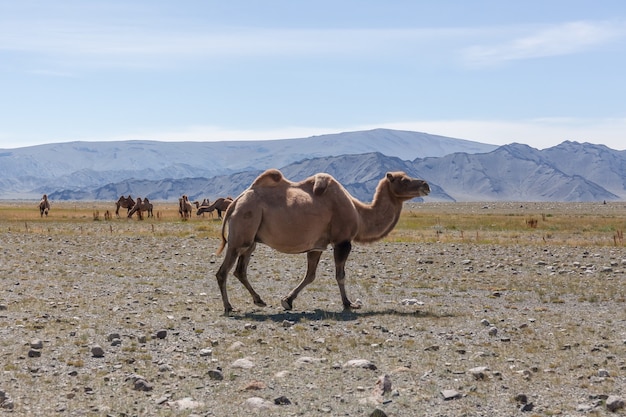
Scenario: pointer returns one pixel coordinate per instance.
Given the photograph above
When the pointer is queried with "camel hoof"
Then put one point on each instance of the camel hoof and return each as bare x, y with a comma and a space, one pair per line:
286, 304
260, 303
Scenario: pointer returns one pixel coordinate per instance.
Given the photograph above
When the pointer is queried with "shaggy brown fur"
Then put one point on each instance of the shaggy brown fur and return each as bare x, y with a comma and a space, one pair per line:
44, 206
125, 202
184, 207
141, 206
306, 217
220, 205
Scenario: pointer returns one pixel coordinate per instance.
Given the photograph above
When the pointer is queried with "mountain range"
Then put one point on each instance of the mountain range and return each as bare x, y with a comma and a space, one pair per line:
456, 169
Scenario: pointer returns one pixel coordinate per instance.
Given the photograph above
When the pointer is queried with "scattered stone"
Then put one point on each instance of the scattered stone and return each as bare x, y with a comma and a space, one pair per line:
527, 407
493, 331
3, 307
36, 344
97, 351
478, 372
603, 373
432, 348
282, 400
360, 363
249, 326
236, 346
485, 322
614, 403
216, 374
5, 401
243, 363
378, 413
411, 302
206, 352
254, 386
142, 338
382, 387
161, 334
142, 385
186, 403
450, 394
33, 353
287, 323
259, 403
305, 360
112, 336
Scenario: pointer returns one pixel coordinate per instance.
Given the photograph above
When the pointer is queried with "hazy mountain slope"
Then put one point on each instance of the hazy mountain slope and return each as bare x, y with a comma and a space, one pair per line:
78, 165
596, 163
511, 173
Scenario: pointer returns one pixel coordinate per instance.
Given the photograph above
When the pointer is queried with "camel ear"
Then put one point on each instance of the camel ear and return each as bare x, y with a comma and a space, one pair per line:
320, 184
390, 177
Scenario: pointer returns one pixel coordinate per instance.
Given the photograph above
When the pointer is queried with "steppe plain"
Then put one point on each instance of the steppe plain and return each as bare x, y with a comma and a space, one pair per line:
469, 309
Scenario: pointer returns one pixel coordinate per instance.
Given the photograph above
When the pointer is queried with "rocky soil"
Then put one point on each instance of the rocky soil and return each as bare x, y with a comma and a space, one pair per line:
94, 322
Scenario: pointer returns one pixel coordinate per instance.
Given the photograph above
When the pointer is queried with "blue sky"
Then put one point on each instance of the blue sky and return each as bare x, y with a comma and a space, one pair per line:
534, 72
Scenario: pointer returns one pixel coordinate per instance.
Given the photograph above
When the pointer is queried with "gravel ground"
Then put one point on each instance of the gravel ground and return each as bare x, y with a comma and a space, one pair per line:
129, 324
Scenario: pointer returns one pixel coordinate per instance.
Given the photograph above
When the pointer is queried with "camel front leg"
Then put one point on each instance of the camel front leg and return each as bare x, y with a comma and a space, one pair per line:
242, 274
221, 275
341, 253
313, 259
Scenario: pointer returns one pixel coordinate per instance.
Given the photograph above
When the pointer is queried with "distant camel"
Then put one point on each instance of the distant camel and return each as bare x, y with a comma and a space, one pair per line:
124, 202
141, 206
308, 216
44, 206
184, 207
221, 204
205, 202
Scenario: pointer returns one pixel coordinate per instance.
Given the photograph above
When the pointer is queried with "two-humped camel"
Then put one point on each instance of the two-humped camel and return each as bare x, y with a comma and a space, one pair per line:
44, 206
184, 207
141, 206
221, 204
125, 202
308, 216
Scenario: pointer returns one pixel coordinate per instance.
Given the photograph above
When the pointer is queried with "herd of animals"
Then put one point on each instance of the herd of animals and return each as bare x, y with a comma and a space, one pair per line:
295, 217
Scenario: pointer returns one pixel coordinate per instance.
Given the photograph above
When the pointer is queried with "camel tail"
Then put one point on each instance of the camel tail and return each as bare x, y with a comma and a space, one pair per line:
229, 210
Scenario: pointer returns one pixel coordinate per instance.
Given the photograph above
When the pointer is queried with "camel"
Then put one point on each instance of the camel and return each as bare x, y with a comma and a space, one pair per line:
125, 202
141, 206
221, 204
205, 202
184, 207
44, 206
306, 217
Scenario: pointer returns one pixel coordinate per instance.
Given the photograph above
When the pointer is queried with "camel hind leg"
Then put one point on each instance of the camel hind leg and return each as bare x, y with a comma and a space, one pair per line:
341, 252
240, 272
313, 258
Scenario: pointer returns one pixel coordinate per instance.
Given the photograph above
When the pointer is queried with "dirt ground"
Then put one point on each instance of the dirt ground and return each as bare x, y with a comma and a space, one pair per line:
125, 320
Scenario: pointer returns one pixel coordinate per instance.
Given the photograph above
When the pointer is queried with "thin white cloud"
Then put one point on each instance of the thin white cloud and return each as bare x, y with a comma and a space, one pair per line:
561, 39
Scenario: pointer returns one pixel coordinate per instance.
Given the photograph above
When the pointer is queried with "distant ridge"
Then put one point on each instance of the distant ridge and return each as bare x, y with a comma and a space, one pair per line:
457, 170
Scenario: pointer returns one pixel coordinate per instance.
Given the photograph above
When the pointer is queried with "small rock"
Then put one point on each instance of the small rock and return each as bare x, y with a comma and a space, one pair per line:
603, 373
259, 403
282, 400
360, 363
432, 348
249, 326
493, 331
97, 351
216, 375
450, 394
142, 385
378, 413
527, 407
36, 344
485, 322
287, 323
161, 334
32, 353
479, 372
206, 352
411, 302
243, 363
614, 403
113, 336
186, 403
142, 338
236, 346
254, 386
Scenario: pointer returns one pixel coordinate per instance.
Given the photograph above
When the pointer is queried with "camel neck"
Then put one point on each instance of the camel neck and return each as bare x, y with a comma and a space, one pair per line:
379, 218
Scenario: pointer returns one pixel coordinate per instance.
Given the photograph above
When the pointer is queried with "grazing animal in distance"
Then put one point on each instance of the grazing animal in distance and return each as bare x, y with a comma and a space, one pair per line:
184, 207
125, 202
44, 206
220, 205
306, 217
141, 206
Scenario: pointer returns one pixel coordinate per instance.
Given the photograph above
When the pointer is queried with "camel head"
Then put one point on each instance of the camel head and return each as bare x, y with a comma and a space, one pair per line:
404, 187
